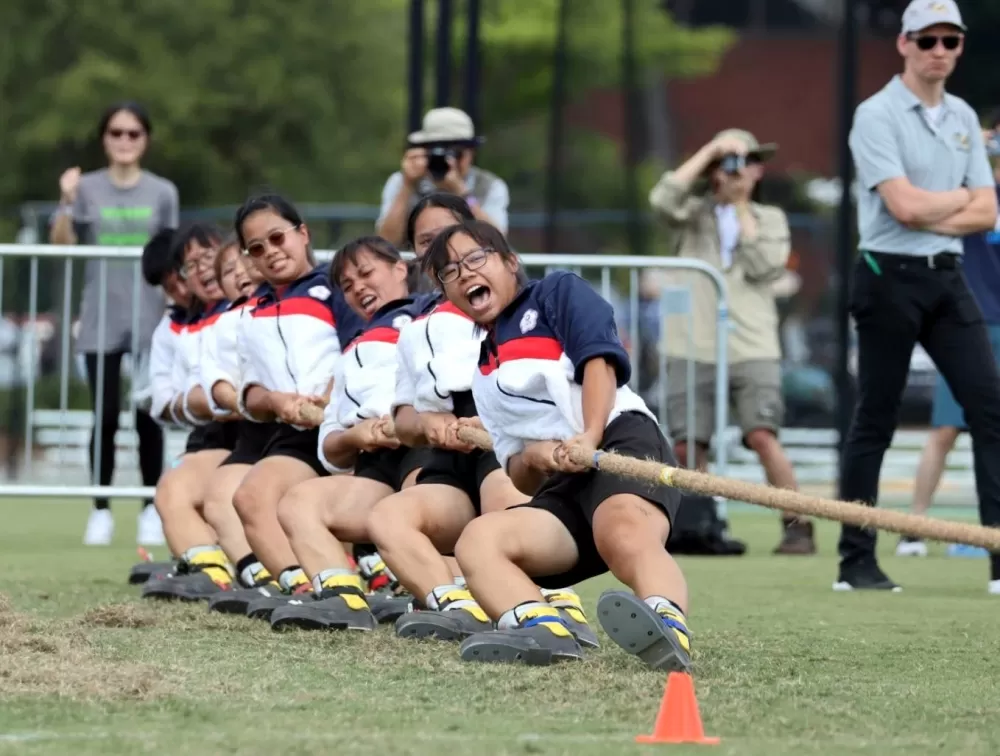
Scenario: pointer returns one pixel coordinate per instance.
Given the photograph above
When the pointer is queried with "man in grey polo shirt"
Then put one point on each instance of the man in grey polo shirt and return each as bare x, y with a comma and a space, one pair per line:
925, 182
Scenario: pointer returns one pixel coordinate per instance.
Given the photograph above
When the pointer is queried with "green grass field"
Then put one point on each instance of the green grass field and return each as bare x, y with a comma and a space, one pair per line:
782, 665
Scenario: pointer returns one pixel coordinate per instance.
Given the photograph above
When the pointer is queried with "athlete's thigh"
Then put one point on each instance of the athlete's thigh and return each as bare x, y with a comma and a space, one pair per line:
438, 511
189, 480
498, 492
224, 482
539, 540
347, 506
272, 477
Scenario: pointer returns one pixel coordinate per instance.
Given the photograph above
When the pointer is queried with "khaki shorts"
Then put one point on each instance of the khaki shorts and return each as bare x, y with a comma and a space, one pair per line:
755, 399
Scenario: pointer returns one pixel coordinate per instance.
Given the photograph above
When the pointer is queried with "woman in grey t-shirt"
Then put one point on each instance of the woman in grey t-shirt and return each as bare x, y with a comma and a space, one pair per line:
118, 206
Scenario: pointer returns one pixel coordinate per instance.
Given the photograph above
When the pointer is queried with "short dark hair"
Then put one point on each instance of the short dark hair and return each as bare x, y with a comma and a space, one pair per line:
158, 258
351, 251
274, 202
129, 106
485, 234
458, 207
206, 234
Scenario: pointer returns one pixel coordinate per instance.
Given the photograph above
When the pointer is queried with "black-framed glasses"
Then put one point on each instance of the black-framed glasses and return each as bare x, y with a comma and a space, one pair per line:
474, 260
927, 42
257, 247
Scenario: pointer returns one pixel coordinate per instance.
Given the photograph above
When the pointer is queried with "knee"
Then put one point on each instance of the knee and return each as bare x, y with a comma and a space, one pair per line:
293, 509
762, 442
623, 529
170, 492
248, 503
386, 522
482, 539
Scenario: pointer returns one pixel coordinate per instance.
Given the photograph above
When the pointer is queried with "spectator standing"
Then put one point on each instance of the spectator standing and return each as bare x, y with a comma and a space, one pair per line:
749, 243
924, 182
981, 265
439, 158
121, 205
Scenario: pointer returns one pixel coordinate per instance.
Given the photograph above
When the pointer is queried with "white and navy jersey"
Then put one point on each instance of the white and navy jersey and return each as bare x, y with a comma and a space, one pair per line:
189, 353
293, 337
528, 385
438, 354
365, 376
220, 358
162, 357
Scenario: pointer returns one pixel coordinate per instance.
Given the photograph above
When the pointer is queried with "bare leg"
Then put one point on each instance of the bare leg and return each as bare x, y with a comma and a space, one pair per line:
413, 528
256, 502
940, 442
221, 514
309, 511
180, 494
497, 553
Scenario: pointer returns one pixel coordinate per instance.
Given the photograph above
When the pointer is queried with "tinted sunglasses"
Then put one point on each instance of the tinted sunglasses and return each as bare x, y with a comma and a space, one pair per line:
132, 134
929, 41
257, 247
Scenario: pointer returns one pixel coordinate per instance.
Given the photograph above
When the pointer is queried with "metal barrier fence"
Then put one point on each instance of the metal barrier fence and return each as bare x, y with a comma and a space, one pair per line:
674, 301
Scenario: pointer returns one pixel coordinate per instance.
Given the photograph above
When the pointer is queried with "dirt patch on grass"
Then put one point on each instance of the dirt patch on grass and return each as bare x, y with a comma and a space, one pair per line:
48, 657
121, 615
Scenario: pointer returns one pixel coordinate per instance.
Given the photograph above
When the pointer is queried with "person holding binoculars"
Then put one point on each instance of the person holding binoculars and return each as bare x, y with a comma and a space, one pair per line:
707, 203
439, 158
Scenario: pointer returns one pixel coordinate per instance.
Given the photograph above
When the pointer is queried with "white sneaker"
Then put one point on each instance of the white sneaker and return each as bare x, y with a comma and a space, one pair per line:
911, 547
993, 588
100, 528
150, 531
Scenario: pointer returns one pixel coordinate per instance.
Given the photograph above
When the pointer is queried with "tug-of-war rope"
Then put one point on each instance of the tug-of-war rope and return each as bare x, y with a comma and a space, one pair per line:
794, 502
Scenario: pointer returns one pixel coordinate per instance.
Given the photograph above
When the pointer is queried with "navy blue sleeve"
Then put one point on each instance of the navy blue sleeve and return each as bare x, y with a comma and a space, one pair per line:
349, 324
584, 323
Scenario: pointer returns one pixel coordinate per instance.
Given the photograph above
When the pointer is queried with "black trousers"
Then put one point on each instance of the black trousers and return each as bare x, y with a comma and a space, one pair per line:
150, 433
911, 302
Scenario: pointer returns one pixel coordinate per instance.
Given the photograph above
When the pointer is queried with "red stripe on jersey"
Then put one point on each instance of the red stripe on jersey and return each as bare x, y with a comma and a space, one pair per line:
296, 306
526, 348
176, 327
383, 334
449, 307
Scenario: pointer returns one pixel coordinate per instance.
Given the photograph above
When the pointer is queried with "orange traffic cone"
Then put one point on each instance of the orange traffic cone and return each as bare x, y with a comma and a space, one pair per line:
679, 720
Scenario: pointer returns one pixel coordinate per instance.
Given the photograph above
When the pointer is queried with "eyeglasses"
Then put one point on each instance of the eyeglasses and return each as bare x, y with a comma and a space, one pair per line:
203, 260
928, 42
132, 134
472, 261
257, 247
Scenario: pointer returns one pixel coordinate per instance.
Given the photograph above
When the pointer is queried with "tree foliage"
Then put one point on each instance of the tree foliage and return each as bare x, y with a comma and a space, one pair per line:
307, 96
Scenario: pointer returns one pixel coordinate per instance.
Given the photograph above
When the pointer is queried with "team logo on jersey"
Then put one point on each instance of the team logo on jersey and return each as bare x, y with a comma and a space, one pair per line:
962, 141
400, 321
529, 320
319, 292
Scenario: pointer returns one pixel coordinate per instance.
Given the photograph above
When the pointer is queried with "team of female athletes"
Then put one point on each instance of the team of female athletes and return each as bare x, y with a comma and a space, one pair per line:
326, 484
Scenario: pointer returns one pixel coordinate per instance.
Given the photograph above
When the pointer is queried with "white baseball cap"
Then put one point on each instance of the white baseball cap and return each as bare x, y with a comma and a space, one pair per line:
921, 14
443, 125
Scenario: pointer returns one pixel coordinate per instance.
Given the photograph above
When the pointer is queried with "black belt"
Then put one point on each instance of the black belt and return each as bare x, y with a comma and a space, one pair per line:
940, 261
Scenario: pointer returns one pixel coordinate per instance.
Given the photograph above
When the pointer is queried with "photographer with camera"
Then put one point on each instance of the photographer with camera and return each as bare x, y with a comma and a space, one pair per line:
707, 203
439, 159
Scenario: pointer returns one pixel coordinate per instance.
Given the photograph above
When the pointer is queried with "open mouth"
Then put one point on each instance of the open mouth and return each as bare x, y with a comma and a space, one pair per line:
479, 297
369, 303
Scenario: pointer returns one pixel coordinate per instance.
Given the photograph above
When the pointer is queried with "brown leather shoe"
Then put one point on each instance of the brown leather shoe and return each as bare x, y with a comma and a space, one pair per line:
797, 539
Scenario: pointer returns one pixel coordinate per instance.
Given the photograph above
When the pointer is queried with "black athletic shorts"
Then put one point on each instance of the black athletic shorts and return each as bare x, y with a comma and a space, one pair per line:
302, 445
390, 466
574, 497
213, 435
251, 439
466, 472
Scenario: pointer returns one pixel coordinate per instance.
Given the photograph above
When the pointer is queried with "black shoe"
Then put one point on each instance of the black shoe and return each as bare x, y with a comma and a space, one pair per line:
864, 577
143, 571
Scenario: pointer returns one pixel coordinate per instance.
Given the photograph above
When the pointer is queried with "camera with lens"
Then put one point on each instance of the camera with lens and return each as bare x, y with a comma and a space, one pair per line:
437, 160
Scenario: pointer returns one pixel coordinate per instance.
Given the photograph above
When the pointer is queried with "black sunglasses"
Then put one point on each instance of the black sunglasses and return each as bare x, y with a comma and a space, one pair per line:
132, 134
929, 41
